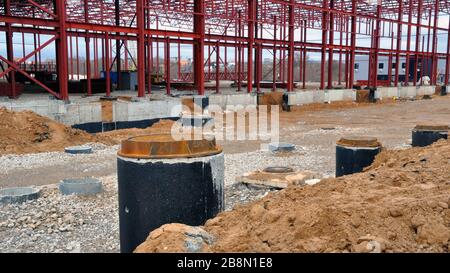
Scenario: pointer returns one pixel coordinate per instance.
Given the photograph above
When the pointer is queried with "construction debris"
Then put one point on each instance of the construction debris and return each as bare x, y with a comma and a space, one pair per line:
400, 204
28, 132
277, 177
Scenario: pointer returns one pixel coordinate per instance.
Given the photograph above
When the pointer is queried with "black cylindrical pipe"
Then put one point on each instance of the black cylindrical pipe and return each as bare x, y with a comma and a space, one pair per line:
444, 90
285, 106
353, 154
154, 192
424, 135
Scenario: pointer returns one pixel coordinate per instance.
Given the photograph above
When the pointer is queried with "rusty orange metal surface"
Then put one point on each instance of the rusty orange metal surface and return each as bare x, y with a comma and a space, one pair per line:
359, 141
164, 146
428, 127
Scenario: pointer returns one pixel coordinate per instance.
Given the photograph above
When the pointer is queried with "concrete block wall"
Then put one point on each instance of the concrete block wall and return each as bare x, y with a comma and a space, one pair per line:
407, 91
86, 112
306, 97
147, 110
78, 113
321, 96
232, 99
404, 91
426, 90
386, 92
340, 95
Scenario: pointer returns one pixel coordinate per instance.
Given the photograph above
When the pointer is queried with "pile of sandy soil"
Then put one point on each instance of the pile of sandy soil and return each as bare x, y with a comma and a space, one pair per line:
399, 204
162, 126
27, 132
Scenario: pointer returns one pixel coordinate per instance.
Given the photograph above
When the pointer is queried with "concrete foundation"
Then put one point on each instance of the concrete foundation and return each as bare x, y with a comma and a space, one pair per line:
340, 95
86, 110
233, 99
404, 91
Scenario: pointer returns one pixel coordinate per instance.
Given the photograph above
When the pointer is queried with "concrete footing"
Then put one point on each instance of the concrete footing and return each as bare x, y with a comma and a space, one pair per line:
85, 186
18, 195
78, 150
321, 96
92, 110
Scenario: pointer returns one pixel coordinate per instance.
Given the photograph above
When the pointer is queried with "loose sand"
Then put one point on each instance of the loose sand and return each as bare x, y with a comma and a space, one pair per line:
399, 204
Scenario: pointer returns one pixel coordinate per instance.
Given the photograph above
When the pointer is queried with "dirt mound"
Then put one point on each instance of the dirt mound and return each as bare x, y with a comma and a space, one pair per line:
400, 204
28, 132
162, 126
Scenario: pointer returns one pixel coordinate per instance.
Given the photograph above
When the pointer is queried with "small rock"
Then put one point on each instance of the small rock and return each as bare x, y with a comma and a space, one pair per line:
356, 221
374, 247
392, 235
360, 248
395, 212
417, 221
443, 205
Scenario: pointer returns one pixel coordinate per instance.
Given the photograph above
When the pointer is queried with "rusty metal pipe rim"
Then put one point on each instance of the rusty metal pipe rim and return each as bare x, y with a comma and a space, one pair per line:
163, 146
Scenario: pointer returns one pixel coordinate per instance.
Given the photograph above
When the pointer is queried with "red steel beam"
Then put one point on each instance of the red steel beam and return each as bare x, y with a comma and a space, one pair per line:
290, 80
140, 15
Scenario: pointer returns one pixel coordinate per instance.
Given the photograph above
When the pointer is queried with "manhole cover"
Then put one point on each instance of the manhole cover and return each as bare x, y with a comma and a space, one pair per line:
18, 195
78, 150
281, 147
110, 98
278, 169
81, 186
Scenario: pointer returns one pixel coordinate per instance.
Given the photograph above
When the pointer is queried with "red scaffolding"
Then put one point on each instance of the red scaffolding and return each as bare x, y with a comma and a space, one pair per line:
282, 28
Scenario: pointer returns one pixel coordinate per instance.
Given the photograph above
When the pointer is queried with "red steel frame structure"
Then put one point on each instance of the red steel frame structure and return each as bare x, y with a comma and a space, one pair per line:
284, 27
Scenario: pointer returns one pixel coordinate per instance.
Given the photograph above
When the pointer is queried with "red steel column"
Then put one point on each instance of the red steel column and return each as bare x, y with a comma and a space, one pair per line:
88, 51
61, 51
199, 46
290, 78
140, 15
149, 62
300, 57
118, 45
179, 61
274, 66
408, 43
352, 45
399, 42
217, 67
447, 62
324, 44
341, 26
347, 55
10, 50
251, 35
107, 65
167, 64
434, 49
304, 54
239, 54
390, 60
377, 46
149, 55
418, 28
88, 67
258, 55
330, 49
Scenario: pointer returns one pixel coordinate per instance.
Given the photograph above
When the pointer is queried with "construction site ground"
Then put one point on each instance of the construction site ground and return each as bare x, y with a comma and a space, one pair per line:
56, 223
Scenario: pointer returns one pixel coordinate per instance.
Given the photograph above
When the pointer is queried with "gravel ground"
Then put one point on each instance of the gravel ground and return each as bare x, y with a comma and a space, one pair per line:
56, 223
